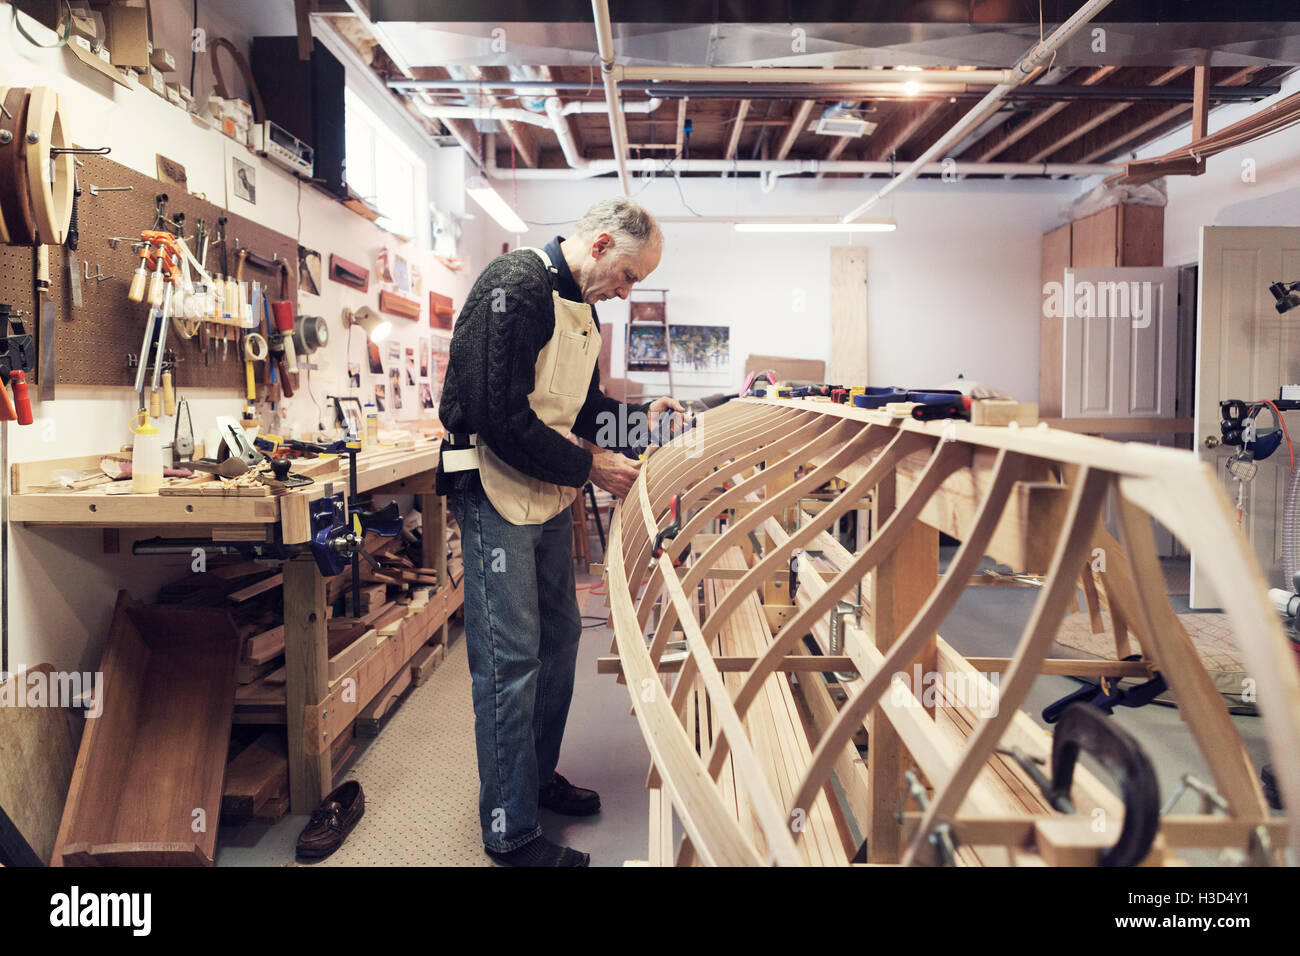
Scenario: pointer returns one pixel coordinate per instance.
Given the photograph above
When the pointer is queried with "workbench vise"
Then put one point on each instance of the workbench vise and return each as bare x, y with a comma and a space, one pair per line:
337, 535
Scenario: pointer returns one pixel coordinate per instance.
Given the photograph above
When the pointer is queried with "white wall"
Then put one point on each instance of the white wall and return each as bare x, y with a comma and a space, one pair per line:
61, 587
954, 290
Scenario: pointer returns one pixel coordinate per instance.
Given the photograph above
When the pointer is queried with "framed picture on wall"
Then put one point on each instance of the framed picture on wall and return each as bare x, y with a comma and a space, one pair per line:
700, 348
348, 414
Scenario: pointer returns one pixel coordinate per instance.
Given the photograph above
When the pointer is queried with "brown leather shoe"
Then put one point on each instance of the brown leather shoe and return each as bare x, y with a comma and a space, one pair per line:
331, 823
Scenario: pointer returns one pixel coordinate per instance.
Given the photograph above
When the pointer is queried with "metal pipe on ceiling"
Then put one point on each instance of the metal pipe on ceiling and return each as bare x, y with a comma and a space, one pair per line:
587, 168
1039, 56
617, 132
787, 74
834, 91
839, 91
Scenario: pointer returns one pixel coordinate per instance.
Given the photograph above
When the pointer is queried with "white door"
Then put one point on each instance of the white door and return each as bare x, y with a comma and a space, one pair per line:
1246, 350
1121, 342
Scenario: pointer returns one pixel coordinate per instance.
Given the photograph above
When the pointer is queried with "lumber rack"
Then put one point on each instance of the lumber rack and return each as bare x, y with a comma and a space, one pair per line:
753, 742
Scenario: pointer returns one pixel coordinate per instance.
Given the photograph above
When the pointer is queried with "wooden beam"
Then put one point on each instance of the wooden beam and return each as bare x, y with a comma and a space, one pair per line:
906, 121
1079, 120
306, 661
1200, 109
1029, 124
520, 134
737, 125
797, 124
1146, 118
681, 125
302, 10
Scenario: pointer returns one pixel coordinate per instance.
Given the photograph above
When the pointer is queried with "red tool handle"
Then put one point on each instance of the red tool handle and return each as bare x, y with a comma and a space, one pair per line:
22, 403
7, 413
286, 383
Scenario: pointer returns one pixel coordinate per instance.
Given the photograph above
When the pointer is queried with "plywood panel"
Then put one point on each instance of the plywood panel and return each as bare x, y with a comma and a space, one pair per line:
849, 347
35, 765
1094, 239
1141, 235
1056, 259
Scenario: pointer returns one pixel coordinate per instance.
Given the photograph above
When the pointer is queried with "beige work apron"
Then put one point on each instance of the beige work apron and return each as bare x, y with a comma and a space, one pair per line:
562, 377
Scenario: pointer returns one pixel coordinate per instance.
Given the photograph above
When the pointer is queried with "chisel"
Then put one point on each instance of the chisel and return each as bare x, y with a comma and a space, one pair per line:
45, 382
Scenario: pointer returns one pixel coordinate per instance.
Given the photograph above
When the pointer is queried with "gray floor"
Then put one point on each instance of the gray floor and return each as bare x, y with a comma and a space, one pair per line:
421, 786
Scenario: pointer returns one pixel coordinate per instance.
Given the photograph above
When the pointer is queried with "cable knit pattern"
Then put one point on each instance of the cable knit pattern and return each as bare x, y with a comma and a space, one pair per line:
507, 319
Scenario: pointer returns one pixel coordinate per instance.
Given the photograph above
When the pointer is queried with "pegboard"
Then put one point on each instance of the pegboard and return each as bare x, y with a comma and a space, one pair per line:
92, 343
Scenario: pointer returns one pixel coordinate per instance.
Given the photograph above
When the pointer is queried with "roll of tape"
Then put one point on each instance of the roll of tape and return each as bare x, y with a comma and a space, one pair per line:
255, 347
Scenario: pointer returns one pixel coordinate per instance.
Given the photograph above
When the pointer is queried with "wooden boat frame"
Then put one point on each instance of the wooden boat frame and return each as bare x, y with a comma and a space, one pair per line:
747, 771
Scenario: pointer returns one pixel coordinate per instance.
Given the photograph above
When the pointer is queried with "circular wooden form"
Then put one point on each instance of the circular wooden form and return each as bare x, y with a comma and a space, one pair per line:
19, 226
50, 178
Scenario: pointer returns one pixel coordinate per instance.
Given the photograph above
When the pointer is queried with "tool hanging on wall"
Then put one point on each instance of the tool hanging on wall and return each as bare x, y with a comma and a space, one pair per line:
17, 354
37, 195
73, 240
183, 437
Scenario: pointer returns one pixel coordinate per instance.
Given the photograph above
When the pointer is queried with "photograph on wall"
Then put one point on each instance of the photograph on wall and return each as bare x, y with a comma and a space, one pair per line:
395, 380
245, 181
376, 361
381, 401
354, 375
439, 357
424, 357
647, 346
401, 274
394, 354
410, 366
701, 348
426, 396
308, 271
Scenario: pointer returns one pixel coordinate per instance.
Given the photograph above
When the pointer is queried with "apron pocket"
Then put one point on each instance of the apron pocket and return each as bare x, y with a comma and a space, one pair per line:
568, 377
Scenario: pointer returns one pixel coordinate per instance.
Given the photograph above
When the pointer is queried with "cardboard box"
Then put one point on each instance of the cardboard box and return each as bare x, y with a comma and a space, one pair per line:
162, 60
128, 36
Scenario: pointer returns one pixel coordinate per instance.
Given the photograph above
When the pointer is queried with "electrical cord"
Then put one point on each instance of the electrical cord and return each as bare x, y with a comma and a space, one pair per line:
63, 39
194, 53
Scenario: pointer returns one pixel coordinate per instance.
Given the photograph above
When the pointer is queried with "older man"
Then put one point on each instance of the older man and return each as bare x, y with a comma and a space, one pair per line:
522, 377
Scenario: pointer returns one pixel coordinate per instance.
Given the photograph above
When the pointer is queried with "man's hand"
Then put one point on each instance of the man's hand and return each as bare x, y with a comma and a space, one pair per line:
613, 472
657, 409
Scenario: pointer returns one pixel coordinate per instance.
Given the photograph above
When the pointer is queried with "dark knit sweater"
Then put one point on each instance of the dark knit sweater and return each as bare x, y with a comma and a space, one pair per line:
506, 321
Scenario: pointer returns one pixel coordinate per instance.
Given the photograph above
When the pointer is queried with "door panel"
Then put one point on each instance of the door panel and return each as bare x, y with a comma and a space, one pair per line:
1246, 350
1121, 343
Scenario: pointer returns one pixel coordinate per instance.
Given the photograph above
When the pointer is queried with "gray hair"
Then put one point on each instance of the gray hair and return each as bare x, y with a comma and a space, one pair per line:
625, 220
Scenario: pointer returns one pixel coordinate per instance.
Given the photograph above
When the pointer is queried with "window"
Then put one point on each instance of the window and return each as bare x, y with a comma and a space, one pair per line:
383, 170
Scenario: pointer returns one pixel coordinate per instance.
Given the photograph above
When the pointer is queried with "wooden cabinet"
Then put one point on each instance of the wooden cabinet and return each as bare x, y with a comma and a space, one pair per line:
1122, 235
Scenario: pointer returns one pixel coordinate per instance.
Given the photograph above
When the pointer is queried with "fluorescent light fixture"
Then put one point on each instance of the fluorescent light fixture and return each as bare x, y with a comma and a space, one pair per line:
879, 225
481, 191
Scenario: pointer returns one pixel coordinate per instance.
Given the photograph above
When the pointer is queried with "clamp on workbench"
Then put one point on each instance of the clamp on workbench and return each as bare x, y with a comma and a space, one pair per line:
671, 530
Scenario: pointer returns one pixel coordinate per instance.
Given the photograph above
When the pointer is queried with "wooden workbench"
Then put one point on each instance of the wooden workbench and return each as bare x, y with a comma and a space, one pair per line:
386, 470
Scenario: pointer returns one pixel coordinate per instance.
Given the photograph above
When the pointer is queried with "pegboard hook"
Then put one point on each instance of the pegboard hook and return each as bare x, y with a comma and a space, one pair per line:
81, 151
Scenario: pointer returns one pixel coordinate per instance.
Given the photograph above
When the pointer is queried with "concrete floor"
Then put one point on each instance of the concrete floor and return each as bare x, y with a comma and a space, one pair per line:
604, 750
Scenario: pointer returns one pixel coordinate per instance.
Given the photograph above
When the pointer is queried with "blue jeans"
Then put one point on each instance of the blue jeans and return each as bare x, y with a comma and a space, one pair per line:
522, 628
